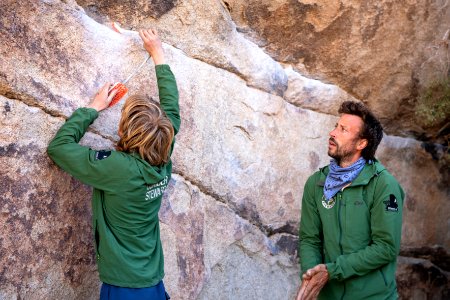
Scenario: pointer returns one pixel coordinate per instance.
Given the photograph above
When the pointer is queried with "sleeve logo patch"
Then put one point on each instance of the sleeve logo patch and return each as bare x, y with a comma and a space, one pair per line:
99, 155
391, 204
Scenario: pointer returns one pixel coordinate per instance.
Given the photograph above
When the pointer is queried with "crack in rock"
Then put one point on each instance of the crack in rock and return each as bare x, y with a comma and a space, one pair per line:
29, 101
268, 231
244, 131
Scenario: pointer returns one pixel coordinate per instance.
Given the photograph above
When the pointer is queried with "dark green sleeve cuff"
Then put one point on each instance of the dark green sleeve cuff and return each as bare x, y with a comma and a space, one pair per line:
162, 68
91, 112
331, 267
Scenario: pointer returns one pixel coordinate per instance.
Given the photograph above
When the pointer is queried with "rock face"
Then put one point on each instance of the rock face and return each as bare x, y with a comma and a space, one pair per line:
253, 130
419, 278
381, 52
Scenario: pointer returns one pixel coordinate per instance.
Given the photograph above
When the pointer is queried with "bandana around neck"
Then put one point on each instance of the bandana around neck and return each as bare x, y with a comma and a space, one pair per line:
339, 177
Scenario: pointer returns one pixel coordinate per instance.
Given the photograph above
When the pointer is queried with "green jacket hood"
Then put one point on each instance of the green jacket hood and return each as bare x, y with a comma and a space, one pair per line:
152, 174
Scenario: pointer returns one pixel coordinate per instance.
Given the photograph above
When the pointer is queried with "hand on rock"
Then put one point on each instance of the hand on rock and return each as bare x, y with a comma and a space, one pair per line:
153, 45
102, 99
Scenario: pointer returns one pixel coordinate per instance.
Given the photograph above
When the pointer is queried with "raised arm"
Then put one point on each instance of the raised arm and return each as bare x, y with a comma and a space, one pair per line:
85, 164
167, 86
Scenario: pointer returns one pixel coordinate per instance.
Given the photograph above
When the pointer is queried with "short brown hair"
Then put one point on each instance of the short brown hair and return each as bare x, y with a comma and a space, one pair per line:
145, 129
372, 130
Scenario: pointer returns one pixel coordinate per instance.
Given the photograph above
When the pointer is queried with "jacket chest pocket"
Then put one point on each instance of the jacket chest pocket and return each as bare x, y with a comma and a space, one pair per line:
358, 220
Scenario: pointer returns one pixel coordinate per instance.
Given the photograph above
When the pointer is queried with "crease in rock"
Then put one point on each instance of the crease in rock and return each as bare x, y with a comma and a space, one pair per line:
313, 109
244, 131
419, 278
29, 101
316, 110
107, 137
268, 231
314, 94
248, 80
283, 95
247, 106
248, 252
437, 255
232, 70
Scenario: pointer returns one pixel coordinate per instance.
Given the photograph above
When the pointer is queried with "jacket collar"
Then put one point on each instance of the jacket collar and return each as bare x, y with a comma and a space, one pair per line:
368, 172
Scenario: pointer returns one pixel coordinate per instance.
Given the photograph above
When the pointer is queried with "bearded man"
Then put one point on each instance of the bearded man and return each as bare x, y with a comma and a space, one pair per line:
351, 218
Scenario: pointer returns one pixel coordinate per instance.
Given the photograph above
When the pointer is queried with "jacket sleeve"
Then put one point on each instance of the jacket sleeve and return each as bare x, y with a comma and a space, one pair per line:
386, 226
311, 245
82, 162
168, 95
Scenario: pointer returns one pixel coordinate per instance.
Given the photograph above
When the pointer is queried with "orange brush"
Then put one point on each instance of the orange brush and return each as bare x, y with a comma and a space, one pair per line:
120, 86
121, 91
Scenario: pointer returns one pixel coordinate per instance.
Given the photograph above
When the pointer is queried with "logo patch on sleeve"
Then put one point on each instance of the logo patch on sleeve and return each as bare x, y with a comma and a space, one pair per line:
391, 204
102, 154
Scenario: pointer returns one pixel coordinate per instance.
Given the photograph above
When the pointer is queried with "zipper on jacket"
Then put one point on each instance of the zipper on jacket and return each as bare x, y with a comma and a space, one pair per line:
340, 223
340, 232
384, 278
97, 242
343, 294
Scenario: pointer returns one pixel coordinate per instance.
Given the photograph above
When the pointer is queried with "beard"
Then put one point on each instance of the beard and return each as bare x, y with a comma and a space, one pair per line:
342, 152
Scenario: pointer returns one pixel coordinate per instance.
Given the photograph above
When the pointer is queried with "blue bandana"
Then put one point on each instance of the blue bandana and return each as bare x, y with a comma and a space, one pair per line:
339, 177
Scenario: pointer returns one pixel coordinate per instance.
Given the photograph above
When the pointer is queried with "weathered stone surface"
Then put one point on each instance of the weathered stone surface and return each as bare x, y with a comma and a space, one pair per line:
241, 159
231, 154
427, 194
313, 94
382, 52
418, 278
45, 242
206, 242
204, 30
437, 255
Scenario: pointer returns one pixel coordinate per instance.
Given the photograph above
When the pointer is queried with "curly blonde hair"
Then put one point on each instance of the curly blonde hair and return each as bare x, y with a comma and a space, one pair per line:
145, 129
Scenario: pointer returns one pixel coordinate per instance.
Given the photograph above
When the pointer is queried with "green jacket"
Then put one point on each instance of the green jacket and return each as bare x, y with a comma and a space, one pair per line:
126, 196
357, 236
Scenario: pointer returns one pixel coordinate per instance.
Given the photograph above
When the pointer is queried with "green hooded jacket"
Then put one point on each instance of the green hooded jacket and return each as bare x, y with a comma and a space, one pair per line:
357, 234
127, 193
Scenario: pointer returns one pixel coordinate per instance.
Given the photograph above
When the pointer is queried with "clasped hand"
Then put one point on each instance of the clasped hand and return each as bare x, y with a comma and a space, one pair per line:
312, 282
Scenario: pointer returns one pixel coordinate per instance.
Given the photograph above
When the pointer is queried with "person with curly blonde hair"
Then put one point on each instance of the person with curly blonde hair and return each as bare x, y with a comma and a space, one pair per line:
128, 183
